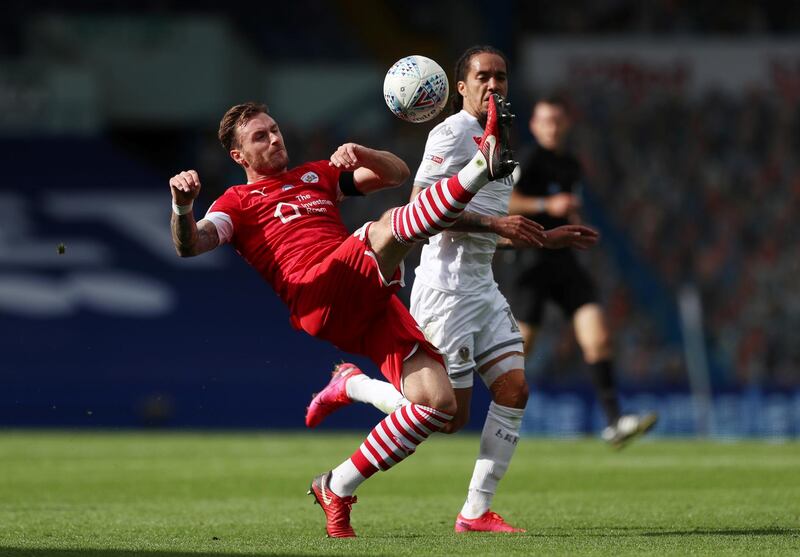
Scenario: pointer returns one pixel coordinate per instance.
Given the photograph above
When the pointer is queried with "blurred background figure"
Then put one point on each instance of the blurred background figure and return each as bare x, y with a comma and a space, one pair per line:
685, 121
548, 191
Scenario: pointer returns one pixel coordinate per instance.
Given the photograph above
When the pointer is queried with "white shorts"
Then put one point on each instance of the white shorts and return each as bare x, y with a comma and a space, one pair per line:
469, 329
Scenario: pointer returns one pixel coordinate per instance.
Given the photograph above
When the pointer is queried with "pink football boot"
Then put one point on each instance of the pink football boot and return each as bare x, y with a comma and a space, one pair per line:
333, 396
487, 522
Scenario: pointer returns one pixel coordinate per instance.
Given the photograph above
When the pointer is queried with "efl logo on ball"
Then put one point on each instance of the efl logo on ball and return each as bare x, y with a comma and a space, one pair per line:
415, 89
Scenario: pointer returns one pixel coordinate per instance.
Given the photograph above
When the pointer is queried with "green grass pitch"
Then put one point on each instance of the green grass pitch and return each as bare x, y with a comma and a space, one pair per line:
192, 494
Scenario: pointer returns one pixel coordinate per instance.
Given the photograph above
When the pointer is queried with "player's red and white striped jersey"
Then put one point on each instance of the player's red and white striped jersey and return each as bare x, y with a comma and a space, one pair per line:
284, 224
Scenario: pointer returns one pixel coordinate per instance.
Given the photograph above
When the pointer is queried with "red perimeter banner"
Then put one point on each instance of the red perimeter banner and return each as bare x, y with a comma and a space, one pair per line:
642, 67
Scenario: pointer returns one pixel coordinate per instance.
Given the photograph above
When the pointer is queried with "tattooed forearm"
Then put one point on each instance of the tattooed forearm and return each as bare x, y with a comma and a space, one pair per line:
473, 222
184, 234
191, 238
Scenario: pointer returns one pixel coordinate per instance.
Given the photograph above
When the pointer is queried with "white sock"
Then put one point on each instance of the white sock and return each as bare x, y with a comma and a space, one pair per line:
475, 174
498, 442
345, 478
380, 394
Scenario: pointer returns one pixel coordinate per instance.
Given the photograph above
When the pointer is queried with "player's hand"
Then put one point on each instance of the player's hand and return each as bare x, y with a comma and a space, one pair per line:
348, 156
185, 187
522, 231
562, 204
571, 236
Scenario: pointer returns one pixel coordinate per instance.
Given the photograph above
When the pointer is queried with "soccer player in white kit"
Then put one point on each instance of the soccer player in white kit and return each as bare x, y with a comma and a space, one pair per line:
456, 301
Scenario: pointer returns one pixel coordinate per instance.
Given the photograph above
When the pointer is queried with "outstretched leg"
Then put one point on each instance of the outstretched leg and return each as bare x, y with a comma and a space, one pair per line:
437, 207
431, 406
506, 381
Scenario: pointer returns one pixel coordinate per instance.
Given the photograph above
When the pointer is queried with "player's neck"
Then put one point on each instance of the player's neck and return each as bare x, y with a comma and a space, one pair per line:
480, 117
254, 176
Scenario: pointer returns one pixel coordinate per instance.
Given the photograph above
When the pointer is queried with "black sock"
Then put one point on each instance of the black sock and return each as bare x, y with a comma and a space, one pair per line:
603, 379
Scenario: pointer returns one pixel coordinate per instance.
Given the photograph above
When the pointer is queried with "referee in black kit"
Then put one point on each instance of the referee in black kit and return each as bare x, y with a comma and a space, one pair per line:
548, 191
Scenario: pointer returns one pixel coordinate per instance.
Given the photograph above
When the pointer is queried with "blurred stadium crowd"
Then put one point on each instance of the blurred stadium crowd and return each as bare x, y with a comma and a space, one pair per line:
707, 191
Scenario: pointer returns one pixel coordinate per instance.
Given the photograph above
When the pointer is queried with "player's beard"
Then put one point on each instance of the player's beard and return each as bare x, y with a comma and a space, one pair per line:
278, 162
285, 159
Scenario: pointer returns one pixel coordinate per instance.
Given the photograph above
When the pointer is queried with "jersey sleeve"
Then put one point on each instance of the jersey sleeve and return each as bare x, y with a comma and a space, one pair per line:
224, 213
441, 158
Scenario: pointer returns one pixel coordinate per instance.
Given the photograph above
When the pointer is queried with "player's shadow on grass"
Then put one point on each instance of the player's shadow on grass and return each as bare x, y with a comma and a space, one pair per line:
728, 532
20, 552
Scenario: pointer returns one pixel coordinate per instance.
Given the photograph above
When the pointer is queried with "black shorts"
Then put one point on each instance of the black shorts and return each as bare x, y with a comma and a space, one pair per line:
555, 276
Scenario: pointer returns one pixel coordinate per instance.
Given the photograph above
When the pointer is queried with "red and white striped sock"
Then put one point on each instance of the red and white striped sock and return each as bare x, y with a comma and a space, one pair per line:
438, 206
392, 440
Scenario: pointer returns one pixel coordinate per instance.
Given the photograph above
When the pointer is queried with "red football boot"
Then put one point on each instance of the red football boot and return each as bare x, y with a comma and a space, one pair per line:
494, 145
333, 396
337, 509
487, 522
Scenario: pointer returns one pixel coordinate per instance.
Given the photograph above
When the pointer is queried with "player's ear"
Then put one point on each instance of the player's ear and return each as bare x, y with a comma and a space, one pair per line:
237, 156
461, 87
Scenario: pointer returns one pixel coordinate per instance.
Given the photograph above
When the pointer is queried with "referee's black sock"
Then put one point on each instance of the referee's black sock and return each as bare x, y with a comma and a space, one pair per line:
603, 379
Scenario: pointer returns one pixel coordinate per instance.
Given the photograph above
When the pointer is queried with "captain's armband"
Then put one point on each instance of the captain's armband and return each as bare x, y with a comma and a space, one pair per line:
347, 185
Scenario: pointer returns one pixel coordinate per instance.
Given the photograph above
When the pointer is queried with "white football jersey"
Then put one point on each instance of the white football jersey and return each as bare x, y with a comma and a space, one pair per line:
453, 260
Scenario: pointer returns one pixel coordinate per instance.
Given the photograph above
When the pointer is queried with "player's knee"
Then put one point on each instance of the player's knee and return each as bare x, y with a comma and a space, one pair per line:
381, 230
604, 345
593, 333
598, 349
511, 389
505, 378
433, 390
445, 401
385, 221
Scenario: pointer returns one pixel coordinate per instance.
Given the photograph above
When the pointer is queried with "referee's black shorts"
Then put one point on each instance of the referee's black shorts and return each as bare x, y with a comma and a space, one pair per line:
554, 275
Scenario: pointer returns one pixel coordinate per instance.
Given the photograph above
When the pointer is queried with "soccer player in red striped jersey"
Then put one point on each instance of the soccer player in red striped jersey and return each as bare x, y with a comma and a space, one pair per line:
340, 287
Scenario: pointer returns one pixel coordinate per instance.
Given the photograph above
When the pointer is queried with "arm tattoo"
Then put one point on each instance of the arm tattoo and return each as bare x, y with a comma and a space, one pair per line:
190, 238
207, 239
472, 222
184, 233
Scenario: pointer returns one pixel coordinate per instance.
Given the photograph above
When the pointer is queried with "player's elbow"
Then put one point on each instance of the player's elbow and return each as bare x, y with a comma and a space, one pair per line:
400, 175
405, 172
185, 251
